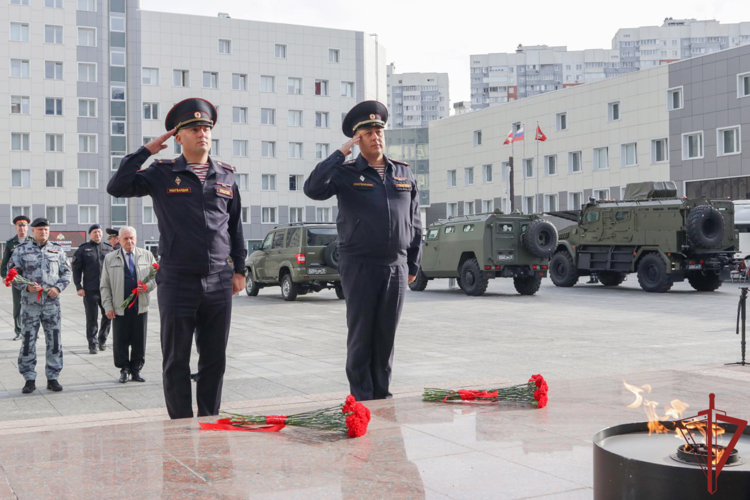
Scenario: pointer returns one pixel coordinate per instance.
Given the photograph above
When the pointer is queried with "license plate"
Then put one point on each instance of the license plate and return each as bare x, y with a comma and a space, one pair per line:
504, 257
313, 270
694, 266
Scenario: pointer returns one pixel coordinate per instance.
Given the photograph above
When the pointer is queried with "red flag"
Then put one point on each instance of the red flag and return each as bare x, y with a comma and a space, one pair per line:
540, 135
509, 139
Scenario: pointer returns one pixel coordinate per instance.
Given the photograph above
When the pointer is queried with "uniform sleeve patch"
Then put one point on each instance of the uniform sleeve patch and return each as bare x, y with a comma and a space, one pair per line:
224, 192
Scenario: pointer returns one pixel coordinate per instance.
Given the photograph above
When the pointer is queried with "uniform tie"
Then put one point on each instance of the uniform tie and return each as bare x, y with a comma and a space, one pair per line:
131, 265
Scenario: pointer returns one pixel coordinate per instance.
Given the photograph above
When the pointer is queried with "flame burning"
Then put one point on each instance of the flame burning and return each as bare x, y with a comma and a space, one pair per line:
674, 411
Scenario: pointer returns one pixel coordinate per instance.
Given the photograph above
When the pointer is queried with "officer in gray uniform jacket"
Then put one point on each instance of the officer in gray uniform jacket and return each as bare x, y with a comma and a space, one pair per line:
22, 227
42, 262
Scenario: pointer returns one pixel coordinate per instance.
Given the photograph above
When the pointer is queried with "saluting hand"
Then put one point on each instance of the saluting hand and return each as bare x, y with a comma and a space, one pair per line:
347, 147
157, 144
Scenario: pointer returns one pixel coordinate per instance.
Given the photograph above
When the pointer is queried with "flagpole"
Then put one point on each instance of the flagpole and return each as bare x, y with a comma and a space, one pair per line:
523, 167
538, 167
511, 177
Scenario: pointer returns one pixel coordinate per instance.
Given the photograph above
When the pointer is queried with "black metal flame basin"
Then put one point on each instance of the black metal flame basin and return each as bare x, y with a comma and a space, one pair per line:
631, 465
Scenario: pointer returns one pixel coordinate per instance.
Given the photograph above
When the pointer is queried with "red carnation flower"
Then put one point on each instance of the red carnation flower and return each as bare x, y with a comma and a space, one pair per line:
155, 266
357, 417
11, 276
541, 401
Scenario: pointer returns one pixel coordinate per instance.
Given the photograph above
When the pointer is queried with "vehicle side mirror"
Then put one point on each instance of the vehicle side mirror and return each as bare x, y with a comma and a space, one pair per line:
256, 247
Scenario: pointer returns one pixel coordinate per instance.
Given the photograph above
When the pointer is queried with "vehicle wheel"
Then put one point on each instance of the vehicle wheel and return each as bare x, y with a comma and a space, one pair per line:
473, 278
251, 286
339, 290
652, 274
705, 226
289, 289
419, 284
540, 239
527, 285
562, 270
611, 278
331, 254
704, 282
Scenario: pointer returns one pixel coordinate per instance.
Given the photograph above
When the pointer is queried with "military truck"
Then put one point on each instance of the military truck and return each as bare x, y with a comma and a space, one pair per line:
299, 258
652, 232
476, 248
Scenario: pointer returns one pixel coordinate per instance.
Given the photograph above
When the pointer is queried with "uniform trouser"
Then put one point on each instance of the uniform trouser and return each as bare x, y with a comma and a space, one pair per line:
129, 340
48, 314
374, 297
16, 310
92, 303
194, 304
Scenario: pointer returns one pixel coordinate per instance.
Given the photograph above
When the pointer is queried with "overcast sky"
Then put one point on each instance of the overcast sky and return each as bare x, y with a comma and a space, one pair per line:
439, 36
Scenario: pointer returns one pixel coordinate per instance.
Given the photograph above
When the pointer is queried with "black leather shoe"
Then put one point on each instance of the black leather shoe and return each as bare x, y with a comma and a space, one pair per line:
92, 350
103, 346
123, 376
29, 387
136, 377
54, 385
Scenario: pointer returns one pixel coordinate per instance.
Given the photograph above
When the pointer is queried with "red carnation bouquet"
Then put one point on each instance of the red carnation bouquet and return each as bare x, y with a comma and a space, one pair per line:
134, 294
13, 276
534, 391
351, 417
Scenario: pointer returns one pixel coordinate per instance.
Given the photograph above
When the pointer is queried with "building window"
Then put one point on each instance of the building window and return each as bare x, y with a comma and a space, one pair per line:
561, 121
53, 106
528, 167
87, 108
629, 155
322, 151
321, 119
86, 72
53, 143
87, 37
147, 139
267, 116
333, 55
245, 215
215, 147
239, 148
16, 211
674, 98
613, 111
268, 149
550, 165
149, 76
19, 68
601, 158
321, 87
19, 141
119, 212
177, 148
55, 215
452, 209
239, 115
528, 204
210, 80
295, 150
87, 5
468, 208
87, 143
295, 118
296, 182
574, 201
294, 86
20, 178
659, 151
347, 89
19, 2
88, 214
53, 34
743, 85
150, 111
117, 127
279, 51
87, 179
19, 32
225, 46
243, 181
268, 182
55, 4
451, 182
692, 145
117, 24
601, 194
550, 203
574, 162
477, 137
296, 214
19, 105
149, 216
469, 176
267, 84
53, 70
239, 81
118, 94
486, 173
488, 206
728, 141
322, 214
117, 58
180, 78
268, 215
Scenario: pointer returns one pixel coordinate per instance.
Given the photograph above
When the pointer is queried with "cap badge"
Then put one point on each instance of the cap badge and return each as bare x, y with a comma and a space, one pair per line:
177, 180
372, 117
197, 114
362, 177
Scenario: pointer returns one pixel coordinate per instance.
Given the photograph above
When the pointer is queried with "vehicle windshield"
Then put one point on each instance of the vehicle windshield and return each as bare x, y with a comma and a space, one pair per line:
320, 237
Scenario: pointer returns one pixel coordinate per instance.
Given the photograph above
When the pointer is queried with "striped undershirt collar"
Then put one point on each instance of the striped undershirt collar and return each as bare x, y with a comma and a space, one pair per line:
200, 169
380, 169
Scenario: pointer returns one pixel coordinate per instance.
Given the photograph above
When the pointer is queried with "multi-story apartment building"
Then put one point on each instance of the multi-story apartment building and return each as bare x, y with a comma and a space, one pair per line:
682, 121
88, 81
531, 70
415, 99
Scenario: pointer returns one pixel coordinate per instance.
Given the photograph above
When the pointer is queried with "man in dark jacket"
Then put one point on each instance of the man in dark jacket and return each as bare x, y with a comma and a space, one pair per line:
22, 236
87, 262
380, 236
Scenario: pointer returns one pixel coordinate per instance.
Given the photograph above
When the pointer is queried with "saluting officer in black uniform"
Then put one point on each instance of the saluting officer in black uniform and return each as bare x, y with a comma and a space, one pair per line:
22, 236
197, 203
380, 236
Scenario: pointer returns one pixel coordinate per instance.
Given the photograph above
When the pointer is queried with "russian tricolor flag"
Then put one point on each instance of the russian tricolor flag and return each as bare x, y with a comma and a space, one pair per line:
518, 136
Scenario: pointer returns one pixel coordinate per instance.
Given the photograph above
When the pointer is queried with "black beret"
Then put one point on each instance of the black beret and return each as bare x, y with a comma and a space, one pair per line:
193, 112
112, 232
366, 114
94, 226
20, 218
40, 222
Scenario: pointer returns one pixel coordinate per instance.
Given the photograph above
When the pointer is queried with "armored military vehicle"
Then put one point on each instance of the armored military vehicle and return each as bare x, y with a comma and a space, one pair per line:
476, 248
653, 233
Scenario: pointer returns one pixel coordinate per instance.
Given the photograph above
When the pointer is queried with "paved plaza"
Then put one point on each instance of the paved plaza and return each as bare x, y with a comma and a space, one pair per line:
99, 438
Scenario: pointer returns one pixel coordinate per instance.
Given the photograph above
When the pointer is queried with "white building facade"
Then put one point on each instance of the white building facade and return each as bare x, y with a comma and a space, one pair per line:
415, 99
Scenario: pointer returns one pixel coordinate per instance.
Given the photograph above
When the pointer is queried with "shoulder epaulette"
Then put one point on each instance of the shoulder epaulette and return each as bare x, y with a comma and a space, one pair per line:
226, 166
349, 162
164, 161
399, 162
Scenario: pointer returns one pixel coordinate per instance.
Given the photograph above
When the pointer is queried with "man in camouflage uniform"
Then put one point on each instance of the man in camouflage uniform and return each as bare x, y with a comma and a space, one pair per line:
42, 262
22, 229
